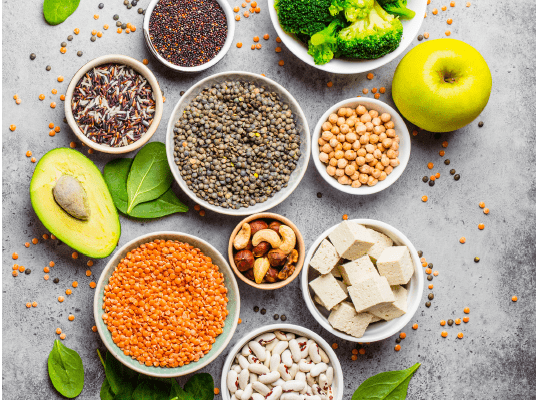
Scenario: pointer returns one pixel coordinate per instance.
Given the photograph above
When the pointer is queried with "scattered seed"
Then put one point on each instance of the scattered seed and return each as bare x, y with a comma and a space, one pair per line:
514, 298
263, 311
480, 124
256, 309
450, 322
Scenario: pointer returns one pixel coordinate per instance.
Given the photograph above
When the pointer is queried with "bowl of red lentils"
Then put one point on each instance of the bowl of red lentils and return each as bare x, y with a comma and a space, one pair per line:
167, 304
189, 35
361, 146
114, 104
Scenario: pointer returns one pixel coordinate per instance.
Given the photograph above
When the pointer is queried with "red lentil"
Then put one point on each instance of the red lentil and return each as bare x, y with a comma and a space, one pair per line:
397, 347
63, 336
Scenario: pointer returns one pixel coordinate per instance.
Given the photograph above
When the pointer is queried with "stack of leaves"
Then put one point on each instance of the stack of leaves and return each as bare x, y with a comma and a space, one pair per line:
122, 383
141, 188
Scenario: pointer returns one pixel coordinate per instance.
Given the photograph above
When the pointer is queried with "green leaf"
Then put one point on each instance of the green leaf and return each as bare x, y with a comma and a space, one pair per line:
392, 385
200, 386
166, 204
122, 380
149, 176
66, 370
57, 11
153, 390
106, 392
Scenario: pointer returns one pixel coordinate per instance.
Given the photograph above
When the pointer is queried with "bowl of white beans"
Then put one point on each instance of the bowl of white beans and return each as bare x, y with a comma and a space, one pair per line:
284, 362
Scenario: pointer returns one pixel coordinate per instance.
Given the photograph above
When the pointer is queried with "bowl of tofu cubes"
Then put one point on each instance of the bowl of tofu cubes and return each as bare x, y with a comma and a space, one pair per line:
362, 280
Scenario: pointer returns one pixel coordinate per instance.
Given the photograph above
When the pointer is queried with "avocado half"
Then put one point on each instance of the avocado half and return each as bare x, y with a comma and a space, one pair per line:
95, 237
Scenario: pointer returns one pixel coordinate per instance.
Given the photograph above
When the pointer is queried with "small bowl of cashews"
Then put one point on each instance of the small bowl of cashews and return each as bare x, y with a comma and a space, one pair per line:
282, 361
362, 146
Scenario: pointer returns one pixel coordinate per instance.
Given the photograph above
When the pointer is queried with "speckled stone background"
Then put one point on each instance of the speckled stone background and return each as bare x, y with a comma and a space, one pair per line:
496, 358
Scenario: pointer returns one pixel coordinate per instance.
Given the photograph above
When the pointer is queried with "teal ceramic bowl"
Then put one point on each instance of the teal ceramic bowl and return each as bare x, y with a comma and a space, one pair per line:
221, 341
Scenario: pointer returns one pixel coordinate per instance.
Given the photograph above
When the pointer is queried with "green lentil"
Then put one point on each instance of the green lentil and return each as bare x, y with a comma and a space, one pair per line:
79, 54
56, 280
420, 253
276, 316
182, 92
430, 265
430, 296
140, 10
256, 308
70, 38
477, 259
457, 177
93, 38
398, 340
101, 6
480, 124
420, 37
48, 68
428, 304
63, 44
32, 56
447, 162
431, 183
452, 171
425, 179
118, 23
450, 322
123, 26
319, 195
283, 317
116, 17
27, 271
430, 277
263, 311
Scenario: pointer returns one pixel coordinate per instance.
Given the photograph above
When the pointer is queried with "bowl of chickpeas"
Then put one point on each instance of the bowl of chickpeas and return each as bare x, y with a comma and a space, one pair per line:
362, 146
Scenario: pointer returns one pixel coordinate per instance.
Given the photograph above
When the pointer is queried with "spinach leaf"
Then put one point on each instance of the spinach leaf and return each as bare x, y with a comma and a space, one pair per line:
152, 390
57, 11
149, 176
106, 392
66, 370
200, 386
122, 380
391, 385
115, 175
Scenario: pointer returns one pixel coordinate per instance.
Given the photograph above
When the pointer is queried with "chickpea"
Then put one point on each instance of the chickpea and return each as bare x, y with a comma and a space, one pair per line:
380, 147
326, 148
333, 162
385, 117
377, 154
326, 126
365, 169
333, 118
351, 122
331, 154
344, 180
355, 176
361, 152
341, 121
376, 173
397, 139
349, 170
395, 162
360, 161
395, 146
387, 142
389, 125
365, 118
321, 142
350, 155
382, 177
361, 129
345, 128
338, 147
349, 113
360, 110
373, 113
353, 164
369, 126
369, 157
376, 121
378, 129
385, 160
333, 142
370, 148
356, 184
342, 163
331, 170
327, 135
356, 145
341, 112
363, 178
335, 130
379, 166
346, 146
323, 157
364, 139
391, 153
374, 138
373, 163
339, 172
388, 169
341, 137
351, 137
390, 133
382, 136
372, 181
339, 154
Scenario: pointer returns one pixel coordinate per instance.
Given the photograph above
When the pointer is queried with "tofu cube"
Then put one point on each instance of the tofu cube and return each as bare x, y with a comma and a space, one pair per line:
358, 270
396, 265
336, 271
351, 240
347, 320
328, 290
393, 310
374, 319
343, 286
321, 303
371, 292
381, 242
325, 258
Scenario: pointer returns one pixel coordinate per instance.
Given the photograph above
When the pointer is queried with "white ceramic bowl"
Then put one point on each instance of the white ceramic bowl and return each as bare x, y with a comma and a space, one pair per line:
285, 97
338, 382
229, 15
233, 306
345, 66
400, 128
382, 329
138, 67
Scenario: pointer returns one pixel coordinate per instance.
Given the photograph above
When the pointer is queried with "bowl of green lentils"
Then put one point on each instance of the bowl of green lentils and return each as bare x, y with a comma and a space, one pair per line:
238, 143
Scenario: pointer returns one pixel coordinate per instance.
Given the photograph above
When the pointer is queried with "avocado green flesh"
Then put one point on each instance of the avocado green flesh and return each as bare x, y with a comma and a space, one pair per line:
96, 237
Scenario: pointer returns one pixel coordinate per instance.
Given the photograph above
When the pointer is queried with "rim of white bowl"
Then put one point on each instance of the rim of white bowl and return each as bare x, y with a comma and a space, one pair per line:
334, 360
400, 128
390, 327
229, 15
284, 192
113, 262
344, 66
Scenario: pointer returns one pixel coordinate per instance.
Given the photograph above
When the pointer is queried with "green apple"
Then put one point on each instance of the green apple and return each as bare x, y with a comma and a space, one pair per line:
441, 85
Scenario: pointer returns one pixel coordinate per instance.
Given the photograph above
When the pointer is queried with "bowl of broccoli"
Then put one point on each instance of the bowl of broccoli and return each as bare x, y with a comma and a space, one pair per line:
347, 36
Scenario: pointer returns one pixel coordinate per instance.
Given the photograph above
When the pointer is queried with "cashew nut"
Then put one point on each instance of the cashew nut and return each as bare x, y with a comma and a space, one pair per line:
289, 239
242, 237
261, 266
267, 235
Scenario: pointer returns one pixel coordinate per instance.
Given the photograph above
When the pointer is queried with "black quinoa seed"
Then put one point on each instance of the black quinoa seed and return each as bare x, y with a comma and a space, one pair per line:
48, 68
56, 280
79, 54
283, 317
452, 171
430, 296
457, 177
319, 195
450, 322
420, 253
63, 44
477, 259
101, 6
398, 340
116, 17
195, 34
140, 10
430, 277
428, 304
420, 37
447, 162
27, 271
425, 179
480, 124
32, 56
263, 311
256, 308
123, 26
431, 183
276, 316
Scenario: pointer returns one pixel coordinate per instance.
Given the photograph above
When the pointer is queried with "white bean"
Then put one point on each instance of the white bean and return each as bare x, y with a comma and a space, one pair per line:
284, 336
293, 370
253, 360
293, 386
280, 347
275, 360
239, 393
258, 369
329, 375
279, 382
265, 338
269, 378
300, 376
258, 350
243, 362
232, 381
302, 341
323, 382
246, 351
309, 391
313, 352
248, 391
324, 356
318, 369
243, 379
270, 346
292, 396
317, 390
283, 370
261, 388
286, 358
310, 380
295, 350
233, 397
258, 396
253, 377
275, 394
236, 368
305, 366
314, 397
268, 359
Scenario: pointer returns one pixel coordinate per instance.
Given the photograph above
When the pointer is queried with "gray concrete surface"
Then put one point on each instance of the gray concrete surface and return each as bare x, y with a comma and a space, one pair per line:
495, 360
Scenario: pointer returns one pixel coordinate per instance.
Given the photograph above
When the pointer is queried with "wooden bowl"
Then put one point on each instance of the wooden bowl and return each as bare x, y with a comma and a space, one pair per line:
300, 246
139, 68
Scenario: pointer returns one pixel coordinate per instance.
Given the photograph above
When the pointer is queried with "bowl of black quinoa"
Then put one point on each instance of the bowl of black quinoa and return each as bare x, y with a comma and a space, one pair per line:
114, 104
238, 143
189, 35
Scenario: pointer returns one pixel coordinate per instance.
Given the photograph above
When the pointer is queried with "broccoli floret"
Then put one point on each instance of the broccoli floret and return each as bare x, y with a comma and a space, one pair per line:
323, 44
397, 7
373, 37
353, 9
303, 16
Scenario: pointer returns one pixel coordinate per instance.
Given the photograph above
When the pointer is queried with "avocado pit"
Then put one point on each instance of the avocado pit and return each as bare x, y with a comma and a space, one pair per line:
71, 197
